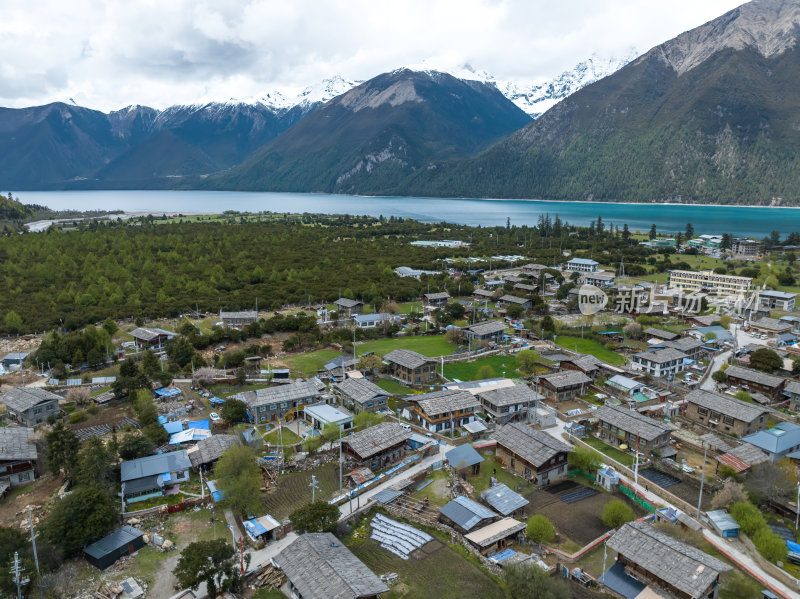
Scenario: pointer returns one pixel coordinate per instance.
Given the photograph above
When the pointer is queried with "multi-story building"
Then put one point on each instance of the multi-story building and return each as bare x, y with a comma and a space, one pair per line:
441, 410
18, 457
360, 395
29, 406
776, 300
564, 385
710, 281
583, 265
509, 403
410, 367
534, 454
272, 403
660, 363
747, 248
623, 426
725, 413
238, 320
755, 381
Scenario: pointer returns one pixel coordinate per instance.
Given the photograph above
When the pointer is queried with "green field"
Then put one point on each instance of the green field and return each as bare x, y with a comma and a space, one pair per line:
590, 346
288, 436
394, 387
293, 491
622, 457
469, 371
440, 572
427, 345
307, 364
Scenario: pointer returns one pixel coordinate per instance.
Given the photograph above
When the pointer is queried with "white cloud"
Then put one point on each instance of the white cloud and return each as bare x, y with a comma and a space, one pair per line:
109, 54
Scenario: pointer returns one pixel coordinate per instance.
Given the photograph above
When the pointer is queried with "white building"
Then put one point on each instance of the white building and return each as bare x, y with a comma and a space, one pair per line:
660, 363
583, 265
776, 300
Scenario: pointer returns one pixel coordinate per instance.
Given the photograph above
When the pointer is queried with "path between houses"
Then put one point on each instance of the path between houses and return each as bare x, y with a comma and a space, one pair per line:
345, 509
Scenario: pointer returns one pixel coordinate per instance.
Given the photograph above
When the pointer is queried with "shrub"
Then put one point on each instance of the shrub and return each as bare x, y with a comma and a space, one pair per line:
76, 417
749, 518
540, 529
616, 513
770, 545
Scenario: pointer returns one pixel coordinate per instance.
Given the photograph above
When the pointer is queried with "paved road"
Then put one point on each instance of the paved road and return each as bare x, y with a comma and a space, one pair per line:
742, 338
345, 509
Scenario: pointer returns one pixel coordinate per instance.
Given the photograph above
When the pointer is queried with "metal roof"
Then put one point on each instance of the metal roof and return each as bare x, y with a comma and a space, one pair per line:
348, 303
463, 456
565, 378
488, 327
148, 334
442, 295
632, 421
154, 464
660, 356
466, 513
728, 406
587, 261
722, 520
513, 299
328, 414
239, 315
321, 567
793, 387
661, 334
491, 533
376, 439
750, 454
113, 541
680, 565
504, 500
782, 438
22, 399
534, 446
16, 444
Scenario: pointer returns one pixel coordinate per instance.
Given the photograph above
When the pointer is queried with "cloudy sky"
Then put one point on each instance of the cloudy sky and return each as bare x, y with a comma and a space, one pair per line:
107, 54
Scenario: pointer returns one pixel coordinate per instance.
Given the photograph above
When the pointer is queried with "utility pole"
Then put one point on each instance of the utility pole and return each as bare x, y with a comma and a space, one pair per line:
340, 459
16, 572
314, 486
702, 480
33, 540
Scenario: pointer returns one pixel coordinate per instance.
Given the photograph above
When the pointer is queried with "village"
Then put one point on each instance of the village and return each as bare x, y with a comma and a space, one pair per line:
629, 437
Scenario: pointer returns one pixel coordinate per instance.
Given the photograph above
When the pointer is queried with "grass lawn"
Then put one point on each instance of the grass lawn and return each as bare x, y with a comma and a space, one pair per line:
590, 346
481, 481
622, 457
469, 371
409, 307
288, 435
445, 573
394, 387
307, 364
293, 491
427, 345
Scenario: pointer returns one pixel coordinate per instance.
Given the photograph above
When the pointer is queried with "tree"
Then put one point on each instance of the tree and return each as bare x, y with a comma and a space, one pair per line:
515, 311
540, 529
719, 376
633, 330
311, 444
765, 360
453, 336
747, 516
772, 482
585, 459
732, 492
531, 582
616, 513
319, 516
710, 336
13, 322
370, 362
652, 235
234, 411
726, 242
80, 518
770, 545
239, 478
110, 326
94, 464
364, 420
743, 395
62, 448
485, 372
150, 364
689, 231
212, 562
795, 367
725, 321
135, 446
678, 240
130, 379
330, 432
526, 361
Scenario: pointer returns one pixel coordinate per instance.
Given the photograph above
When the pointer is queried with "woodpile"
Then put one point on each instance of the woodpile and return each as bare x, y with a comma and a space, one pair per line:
269, 577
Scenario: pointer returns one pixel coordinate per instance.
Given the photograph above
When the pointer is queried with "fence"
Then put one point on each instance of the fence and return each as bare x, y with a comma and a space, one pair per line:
167, 509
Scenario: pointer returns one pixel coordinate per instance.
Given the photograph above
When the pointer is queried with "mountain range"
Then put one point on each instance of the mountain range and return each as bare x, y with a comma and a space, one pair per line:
709, 116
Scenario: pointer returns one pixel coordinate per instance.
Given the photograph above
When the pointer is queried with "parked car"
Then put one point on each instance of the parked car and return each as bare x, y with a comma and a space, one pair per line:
214, 416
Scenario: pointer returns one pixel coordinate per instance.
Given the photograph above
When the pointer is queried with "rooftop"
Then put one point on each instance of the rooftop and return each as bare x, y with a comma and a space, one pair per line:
661, 356
24, 398
16, 444
441, 295
624, 382
154, 464
722, 519
565, 378
488, 327
503, 500
329, 414
632, 421
513, 299
490, 534
243, 314
344, 302
321, 567
375, 439
463, 456
360, 390
148, 334
779, 439
661, 334
294, 391
211, 448
754, 376
783, 295
586, 261
534, 446
771, 324
113, 541
443, 402
680, 565
406, 358
509, 396
466, 513
725, 405
684, 344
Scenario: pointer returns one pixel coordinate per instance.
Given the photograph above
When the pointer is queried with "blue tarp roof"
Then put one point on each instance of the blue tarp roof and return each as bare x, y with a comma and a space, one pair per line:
617, 580
201, 424
162, 419
163, 392
499, 557
793, 547
172, 427
254, 528
216, 400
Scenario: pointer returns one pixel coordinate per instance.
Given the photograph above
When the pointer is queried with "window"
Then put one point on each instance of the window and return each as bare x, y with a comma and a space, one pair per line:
702, 411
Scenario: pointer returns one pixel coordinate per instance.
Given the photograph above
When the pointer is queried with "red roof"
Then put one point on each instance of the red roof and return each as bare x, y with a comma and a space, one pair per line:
733, 462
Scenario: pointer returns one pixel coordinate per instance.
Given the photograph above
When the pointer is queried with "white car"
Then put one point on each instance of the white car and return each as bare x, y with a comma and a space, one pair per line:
214, 416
